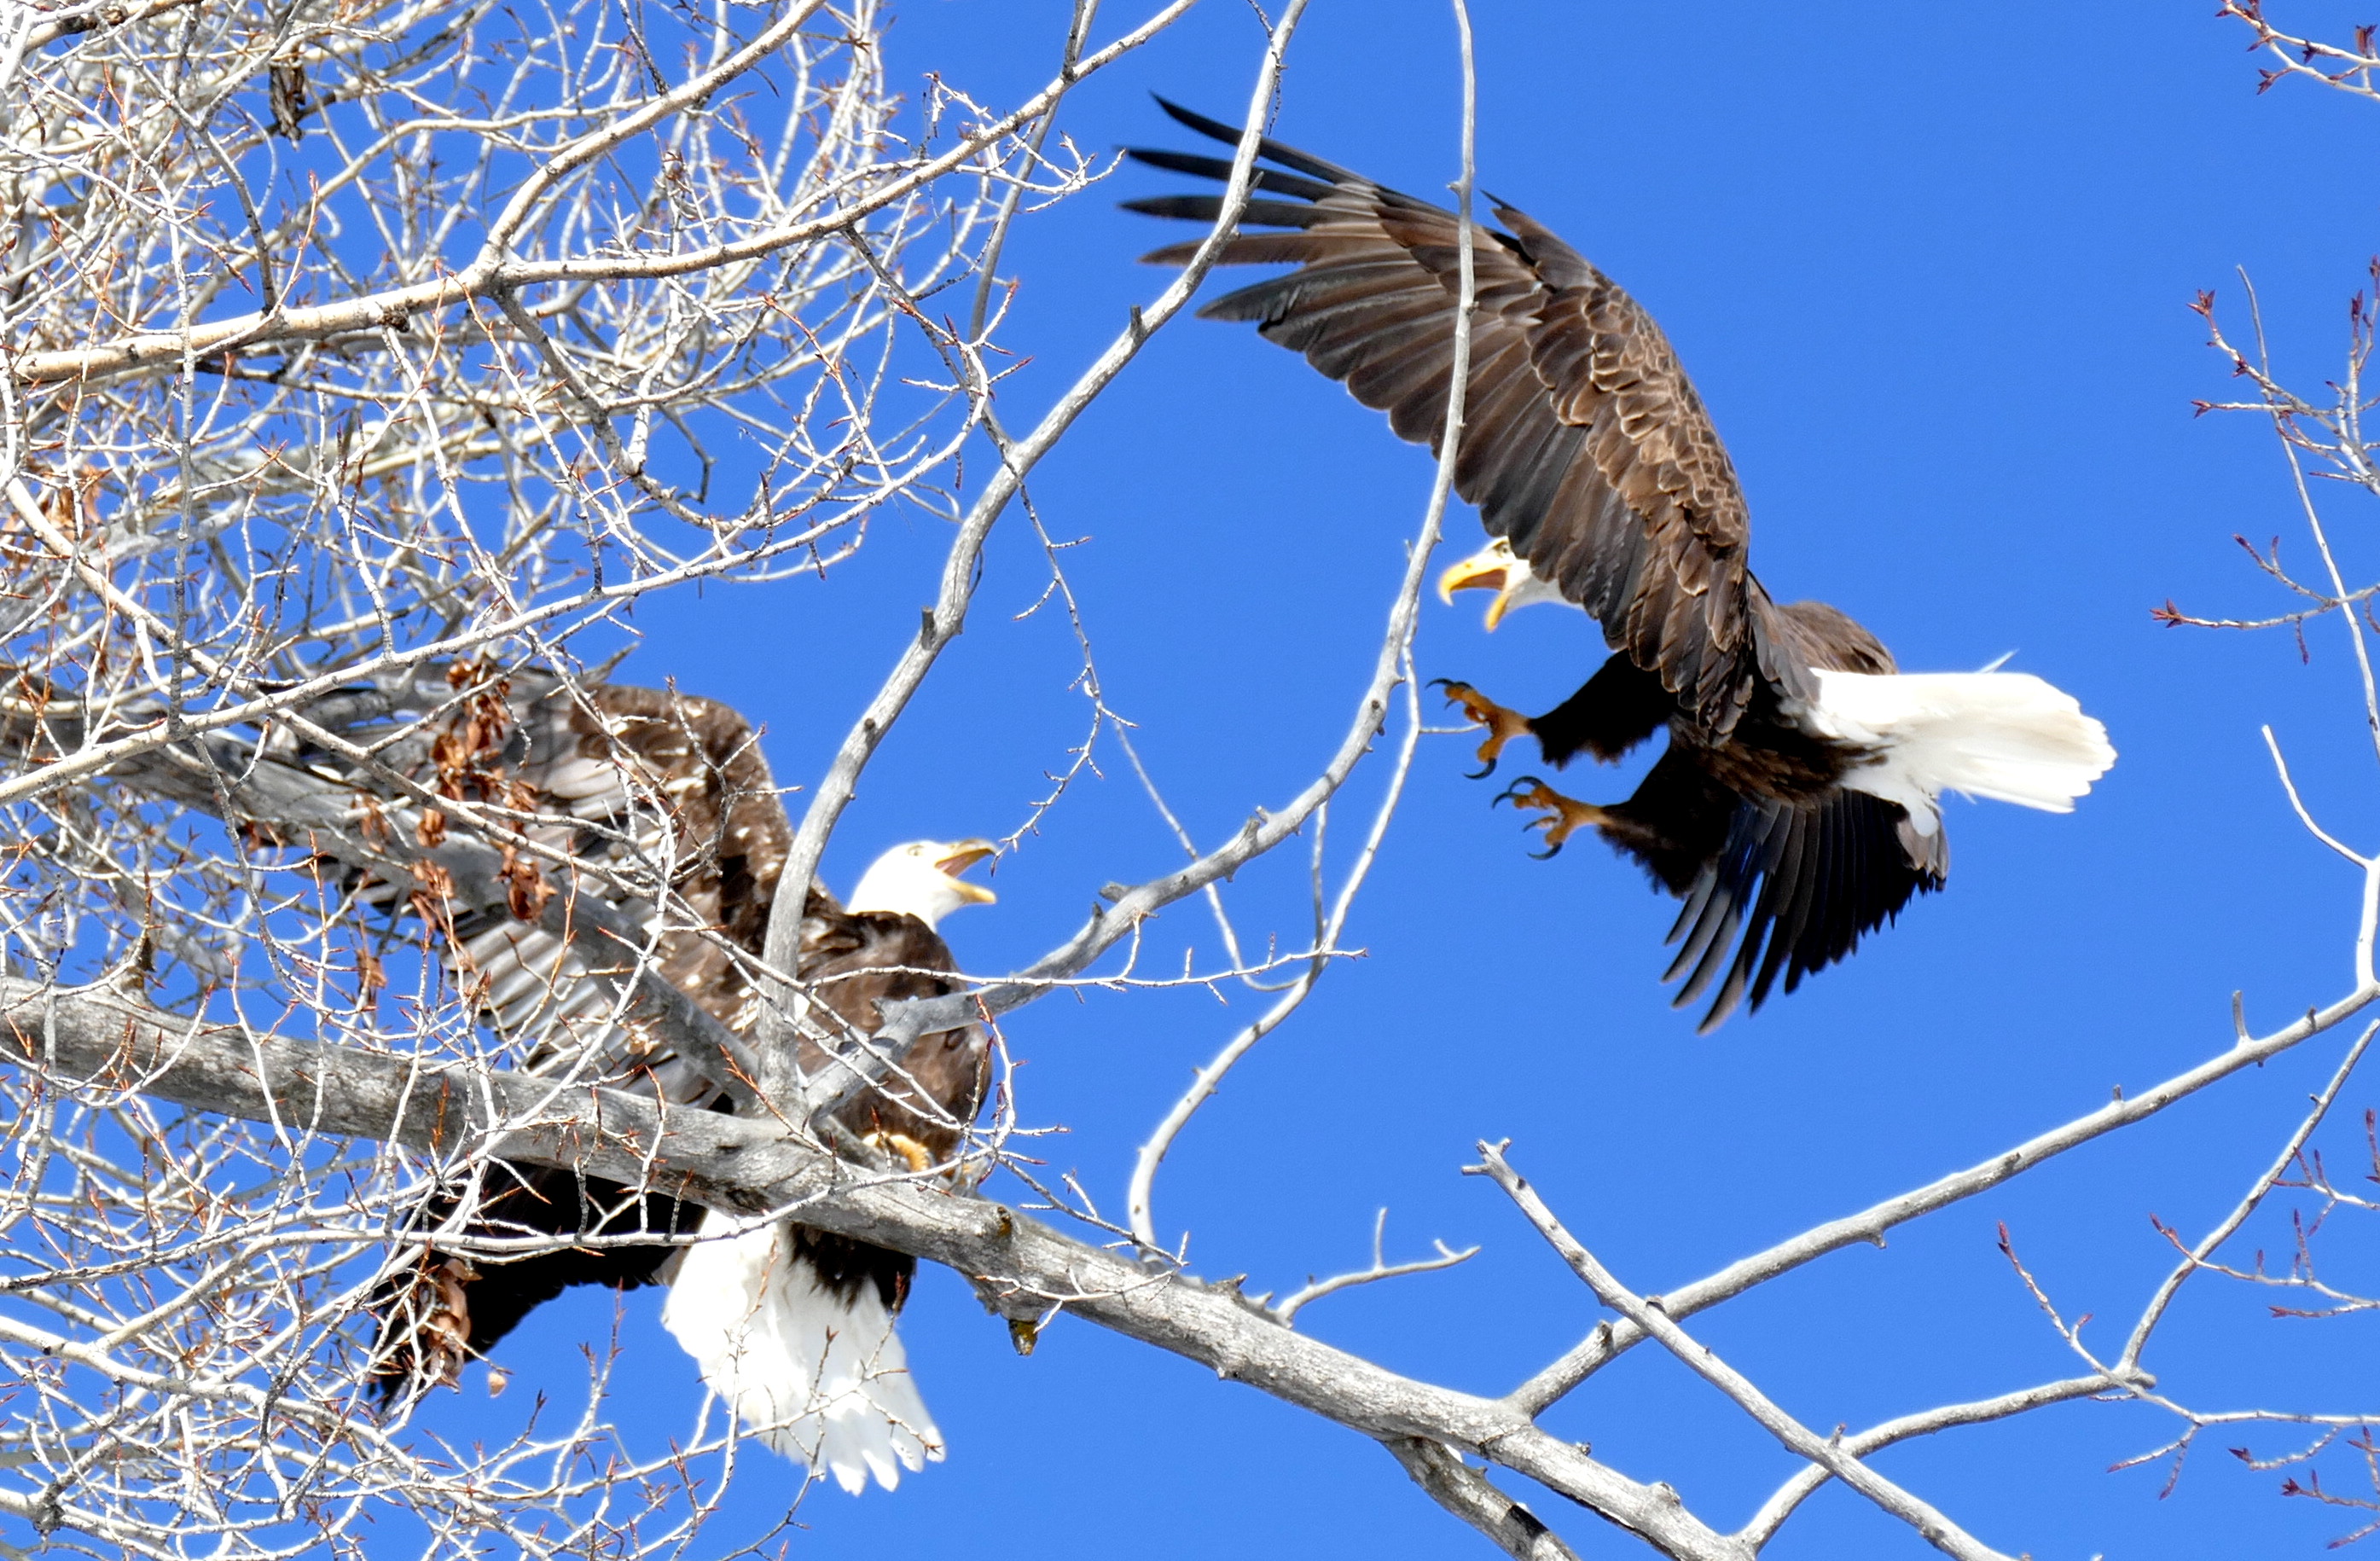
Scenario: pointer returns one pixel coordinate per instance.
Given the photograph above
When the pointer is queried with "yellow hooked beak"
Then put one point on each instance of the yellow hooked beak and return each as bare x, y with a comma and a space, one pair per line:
961, 856
1477, 573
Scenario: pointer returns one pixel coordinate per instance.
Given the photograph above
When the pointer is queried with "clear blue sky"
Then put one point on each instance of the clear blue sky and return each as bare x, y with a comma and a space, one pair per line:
1929, 266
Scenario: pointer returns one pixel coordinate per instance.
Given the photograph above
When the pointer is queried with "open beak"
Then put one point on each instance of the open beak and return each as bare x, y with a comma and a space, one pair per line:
1476, 574
963, 855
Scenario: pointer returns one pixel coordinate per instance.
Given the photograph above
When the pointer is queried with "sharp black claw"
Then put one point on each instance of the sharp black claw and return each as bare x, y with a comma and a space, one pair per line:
1546, 855
1481, 774
1444, 683
1511, 793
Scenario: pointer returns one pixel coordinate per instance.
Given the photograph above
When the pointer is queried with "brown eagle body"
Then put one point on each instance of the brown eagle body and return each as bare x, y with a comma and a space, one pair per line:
1784, 823
623, 777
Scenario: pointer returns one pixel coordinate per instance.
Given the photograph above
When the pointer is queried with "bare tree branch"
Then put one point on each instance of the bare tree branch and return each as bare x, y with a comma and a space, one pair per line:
305, 1089
1649, 1315
1467, 1494
1611, 1340
1382, 1268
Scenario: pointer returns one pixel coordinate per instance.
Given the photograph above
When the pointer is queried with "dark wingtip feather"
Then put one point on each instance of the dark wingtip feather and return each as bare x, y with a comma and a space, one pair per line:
1722, 1008
1201, 166
1162, 205
1213, 128
1272, 150
1207, 208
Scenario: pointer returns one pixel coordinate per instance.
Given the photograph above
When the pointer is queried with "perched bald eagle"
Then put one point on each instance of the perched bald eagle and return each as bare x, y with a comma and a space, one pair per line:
1796, 807
792, 1327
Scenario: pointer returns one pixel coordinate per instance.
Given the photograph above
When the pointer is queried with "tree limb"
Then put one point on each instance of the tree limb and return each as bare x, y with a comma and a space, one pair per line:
1648, 1315
1611, 1340
1470, 1495
98, 1037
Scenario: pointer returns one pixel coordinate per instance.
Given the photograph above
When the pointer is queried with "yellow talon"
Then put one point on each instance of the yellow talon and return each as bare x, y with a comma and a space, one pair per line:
920, 1158
1502, 725
1564, 816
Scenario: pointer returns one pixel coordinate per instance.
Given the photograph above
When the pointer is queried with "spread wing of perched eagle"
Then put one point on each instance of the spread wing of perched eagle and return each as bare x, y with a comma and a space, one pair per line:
792, 1327
1796, 807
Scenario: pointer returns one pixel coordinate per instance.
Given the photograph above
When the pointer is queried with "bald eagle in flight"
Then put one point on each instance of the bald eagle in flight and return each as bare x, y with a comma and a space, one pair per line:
1797, 805
793, 1327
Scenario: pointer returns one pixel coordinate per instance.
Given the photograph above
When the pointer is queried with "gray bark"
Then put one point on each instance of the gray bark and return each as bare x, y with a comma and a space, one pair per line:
99, 1037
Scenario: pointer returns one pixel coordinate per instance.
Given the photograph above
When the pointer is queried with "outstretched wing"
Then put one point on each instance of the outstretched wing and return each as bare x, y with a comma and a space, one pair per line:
1584, 445
664, 788
1793, 889
661, 789
663, 796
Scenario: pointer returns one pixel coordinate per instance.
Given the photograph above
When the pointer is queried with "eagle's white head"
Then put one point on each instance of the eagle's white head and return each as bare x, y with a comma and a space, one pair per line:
1496, 568
921, 880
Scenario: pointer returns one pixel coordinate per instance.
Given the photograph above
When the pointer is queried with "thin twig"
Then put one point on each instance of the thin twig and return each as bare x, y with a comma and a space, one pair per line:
1315, 1289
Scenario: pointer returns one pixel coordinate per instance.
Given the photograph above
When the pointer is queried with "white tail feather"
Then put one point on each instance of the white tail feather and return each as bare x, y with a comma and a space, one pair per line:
2005, 735
821, 1380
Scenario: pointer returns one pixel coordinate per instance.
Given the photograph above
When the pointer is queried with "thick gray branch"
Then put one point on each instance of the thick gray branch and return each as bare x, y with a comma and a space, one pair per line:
114, 1041
1469, 1495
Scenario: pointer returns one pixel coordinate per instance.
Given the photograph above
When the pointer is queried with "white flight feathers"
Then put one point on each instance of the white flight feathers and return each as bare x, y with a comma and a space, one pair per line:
2008, 736
821, 1380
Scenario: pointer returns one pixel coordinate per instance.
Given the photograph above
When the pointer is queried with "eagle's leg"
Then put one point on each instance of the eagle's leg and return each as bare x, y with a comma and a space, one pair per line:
1502, 725
1564, 816
433, 1329
919, 1157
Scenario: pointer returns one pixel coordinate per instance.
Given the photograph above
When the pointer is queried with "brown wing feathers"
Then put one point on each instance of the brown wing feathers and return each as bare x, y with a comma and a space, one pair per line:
617, 775
856, 961
1584, 445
